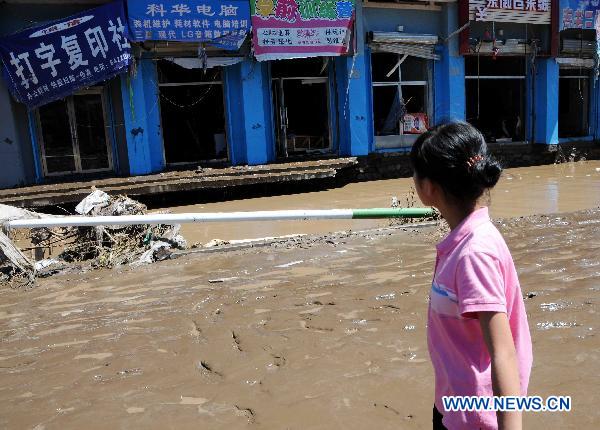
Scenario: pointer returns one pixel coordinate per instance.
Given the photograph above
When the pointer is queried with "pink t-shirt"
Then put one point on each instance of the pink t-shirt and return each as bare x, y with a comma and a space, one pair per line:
474, 272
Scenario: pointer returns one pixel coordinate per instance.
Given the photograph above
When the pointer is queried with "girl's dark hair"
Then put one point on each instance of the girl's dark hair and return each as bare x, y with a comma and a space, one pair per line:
454, 155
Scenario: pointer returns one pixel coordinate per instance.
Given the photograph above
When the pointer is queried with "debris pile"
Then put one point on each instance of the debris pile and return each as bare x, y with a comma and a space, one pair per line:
102, 246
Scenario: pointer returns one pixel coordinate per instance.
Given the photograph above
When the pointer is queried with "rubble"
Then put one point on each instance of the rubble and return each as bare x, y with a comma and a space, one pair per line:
104, 246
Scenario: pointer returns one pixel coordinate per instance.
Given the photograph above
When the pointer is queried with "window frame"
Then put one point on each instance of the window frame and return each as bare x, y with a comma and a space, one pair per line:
401, 140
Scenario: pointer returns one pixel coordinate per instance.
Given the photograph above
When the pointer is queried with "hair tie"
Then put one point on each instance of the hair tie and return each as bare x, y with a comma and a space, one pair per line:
474, 159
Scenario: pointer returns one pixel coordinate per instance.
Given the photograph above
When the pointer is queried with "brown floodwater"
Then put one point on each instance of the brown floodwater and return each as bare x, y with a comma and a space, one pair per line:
315, 334
521, 191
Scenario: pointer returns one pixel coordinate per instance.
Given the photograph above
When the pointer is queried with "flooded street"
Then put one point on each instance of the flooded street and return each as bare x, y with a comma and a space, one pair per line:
522, 191
312, 334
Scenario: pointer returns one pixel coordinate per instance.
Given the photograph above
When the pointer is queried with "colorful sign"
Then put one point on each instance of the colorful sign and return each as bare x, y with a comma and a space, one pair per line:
301, 28
49, 62
221, 23
415, 123
519, 11
578, 14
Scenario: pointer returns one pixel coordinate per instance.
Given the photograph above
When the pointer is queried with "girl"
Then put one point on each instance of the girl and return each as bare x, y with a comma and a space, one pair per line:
477, 331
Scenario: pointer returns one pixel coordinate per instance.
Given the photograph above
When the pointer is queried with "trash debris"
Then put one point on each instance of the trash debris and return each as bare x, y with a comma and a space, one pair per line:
215, 242
102, 246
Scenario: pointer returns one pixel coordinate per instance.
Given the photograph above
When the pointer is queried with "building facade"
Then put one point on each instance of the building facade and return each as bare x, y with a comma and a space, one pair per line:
517, 76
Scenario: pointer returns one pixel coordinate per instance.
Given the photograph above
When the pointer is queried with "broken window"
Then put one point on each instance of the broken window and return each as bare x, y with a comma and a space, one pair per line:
73, 134
400, 98
573, 102
495, 97
192, 113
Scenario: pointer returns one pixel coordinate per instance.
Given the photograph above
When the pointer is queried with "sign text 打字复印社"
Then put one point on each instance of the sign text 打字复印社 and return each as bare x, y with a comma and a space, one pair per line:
52, 61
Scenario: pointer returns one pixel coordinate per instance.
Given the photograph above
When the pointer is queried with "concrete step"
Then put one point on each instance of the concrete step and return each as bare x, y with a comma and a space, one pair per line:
61, 195
236, 171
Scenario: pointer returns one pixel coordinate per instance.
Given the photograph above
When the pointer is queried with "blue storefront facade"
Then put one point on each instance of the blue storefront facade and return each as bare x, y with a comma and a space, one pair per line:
414, 64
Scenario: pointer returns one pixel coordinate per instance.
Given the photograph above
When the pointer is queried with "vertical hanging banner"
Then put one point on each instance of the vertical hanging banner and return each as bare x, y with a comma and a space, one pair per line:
52, 61
221, 23
301, 28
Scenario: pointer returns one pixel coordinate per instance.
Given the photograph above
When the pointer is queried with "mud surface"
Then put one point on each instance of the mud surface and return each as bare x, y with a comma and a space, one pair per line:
322, 333
522, 191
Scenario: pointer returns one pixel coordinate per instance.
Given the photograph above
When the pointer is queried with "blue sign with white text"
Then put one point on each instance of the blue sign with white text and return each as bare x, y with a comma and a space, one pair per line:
222, 23
580, 14
52, 61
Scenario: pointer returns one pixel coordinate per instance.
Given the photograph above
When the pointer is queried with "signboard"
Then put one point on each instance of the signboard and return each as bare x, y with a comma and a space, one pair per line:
578, 14
519, 11
415, 123
52, 61
221, 23
301, 28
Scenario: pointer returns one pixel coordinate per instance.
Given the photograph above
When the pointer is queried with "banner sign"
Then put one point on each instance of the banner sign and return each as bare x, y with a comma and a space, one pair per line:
301, 28
519, 11
221, 23
49, 62
578, 14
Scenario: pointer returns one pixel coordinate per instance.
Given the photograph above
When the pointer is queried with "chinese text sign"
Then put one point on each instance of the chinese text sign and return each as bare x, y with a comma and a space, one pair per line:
222, 23
301, 28
578, 14
49, 62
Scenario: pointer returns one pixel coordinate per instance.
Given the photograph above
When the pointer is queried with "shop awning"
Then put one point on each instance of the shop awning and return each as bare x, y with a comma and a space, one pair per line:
416, 45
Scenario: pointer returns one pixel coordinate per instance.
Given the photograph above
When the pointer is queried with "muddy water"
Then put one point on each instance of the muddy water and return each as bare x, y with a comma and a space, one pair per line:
522, 191
315, 336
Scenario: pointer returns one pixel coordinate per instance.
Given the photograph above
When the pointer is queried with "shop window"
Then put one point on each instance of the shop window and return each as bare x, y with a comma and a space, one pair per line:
495, 97
573, 102
400, 99
192, 114
73, 134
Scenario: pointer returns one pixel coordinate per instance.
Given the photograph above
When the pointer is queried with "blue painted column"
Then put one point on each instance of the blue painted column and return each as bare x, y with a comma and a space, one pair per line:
249, 113
141, 111
449, 73
545, 102
594, 109
353, 75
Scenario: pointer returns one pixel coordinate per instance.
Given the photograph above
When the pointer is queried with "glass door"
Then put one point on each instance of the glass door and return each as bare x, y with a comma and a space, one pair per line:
73, 135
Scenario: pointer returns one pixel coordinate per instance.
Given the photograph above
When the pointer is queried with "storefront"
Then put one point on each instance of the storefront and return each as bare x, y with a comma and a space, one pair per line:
192, 113
578, 71
401, 87
75, 134
302, 105
502, 45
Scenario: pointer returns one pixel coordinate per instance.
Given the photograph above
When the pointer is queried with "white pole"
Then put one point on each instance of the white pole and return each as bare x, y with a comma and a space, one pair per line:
169, 219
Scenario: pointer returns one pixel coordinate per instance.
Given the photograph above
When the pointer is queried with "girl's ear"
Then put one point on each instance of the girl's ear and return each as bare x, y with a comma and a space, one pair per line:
428, 191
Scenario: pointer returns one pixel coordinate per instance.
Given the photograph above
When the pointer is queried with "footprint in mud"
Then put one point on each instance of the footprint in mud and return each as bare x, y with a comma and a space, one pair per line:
247, 413
196, 332
208, 372
236, 341
277, 362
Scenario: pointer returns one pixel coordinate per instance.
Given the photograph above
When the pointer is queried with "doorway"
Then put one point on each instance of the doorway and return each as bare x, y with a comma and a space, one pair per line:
301, 101
74, 135
495, 97
192, 114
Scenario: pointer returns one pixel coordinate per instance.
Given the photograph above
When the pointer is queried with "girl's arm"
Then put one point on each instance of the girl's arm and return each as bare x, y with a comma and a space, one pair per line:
505, 370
